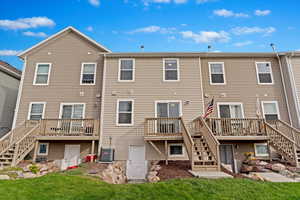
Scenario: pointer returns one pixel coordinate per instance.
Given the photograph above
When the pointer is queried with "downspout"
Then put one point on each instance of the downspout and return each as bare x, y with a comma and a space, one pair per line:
102, 107
19, 94
284, 88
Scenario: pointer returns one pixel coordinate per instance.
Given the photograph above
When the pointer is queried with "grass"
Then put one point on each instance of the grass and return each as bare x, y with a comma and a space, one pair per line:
70, 186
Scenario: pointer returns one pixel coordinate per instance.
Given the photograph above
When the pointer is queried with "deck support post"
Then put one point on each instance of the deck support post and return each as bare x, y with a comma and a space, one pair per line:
269, 151
166, 151
36, 146
93, 150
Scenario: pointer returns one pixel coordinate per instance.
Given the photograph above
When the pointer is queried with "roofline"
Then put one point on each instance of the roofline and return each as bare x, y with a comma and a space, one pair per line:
58, 33
10, 72
191, 54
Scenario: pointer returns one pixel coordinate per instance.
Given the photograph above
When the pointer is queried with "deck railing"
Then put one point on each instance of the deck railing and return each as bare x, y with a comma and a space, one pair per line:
163, 126
69, 127
188, 141
236, 126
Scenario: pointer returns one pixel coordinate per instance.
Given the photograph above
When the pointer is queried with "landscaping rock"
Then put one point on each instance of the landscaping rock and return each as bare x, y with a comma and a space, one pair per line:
4, 177
263, 163
278, 167
114, 174
30, 175
256, 177
246, 168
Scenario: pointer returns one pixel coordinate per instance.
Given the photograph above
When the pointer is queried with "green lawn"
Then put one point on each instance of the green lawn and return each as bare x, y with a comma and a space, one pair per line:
66, 186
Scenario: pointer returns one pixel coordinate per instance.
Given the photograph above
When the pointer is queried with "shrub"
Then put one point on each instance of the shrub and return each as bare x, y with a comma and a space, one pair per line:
34, 169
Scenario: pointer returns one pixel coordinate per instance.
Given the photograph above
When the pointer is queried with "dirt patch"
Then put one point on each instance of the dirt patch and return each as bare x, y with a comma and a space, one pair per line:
175, 169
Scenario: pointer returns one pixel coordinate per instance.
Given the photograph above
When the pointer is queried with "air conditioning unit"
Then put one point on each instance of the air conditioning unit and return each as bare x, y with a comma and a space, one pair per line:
107, 155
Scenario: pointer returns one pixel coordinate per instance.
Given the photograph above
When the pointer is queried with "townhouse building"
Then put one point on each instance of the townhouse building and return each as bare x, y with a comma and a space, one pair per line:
78, 98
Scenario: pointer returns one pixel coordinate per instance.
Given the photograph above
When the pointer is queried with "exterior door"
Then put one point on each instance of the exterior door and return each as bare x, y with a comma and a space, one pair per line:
72, 156
136, 165
72, 112
168, 110
226, 155
232, 111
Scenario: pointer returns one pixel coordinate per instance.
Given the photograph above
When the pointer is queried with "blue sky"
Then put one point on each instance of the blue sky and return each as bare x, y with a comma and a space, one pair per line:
159, 25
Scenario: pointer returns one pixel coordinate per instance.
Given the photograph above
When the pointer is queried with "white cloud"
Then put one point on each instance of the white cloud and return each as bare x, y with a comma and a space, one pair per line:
250, 30
9, 52
90, 28
26, 23
205, 1
153, 29
35, 34
206, 36
262, 12
242, 44
94, 2
229, 13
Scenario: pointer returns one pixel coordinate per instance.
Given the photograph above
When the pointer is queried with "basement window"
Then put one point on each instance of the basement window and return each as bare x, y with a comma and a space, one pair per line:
43, 149
176, 150
261, 149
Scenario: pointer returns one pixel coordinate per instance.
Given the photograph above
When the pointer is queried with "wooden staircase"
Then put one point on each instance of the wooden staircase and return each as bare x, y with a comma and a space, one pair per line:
206, 147
285, 139
16, 144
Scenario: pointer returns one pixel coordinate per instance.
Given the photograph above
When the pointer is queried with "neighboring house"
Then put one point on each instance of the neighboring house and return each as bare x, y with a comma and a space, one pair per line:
9, 84
79, 98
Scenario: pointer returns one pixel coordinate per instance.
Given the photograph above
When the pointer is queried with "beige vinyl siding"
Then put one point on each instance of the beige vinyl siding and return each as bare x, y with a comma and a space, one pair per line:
147, 88
66, 53
242, 85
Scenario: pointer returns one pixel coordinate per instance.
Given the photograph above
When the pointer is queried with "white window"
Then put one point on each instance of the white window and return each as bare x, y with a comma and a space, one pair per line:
171, 69
126, 70
261, 149
72, 110
88, 74
217, 73
270, 110
231, 110
42, 74
176, 150
125, 112
36, 110
264, 73
43, 149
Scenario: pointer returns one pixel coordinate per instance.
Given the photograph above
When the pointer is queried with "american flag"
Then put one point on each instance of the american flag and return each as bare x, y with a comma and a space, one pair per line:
209, 109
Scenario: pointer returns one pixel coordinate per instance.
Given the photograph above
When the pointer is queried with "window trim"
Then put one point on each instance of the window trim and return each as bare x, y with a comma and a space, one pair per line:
133, 70
210, 72
47, 149
81, 73
30, 107
255, 150
35, 73
177, 155
168, 101
257, 73
132, 112
68, 104
230, 103
178, 69
276, 104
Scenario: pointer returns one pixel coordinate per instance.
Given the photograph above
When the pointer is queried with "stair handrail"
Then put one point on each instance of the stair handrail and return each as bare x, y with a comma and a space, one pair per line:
293, 154
188, 140
294, 132
212, 141
17, 149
